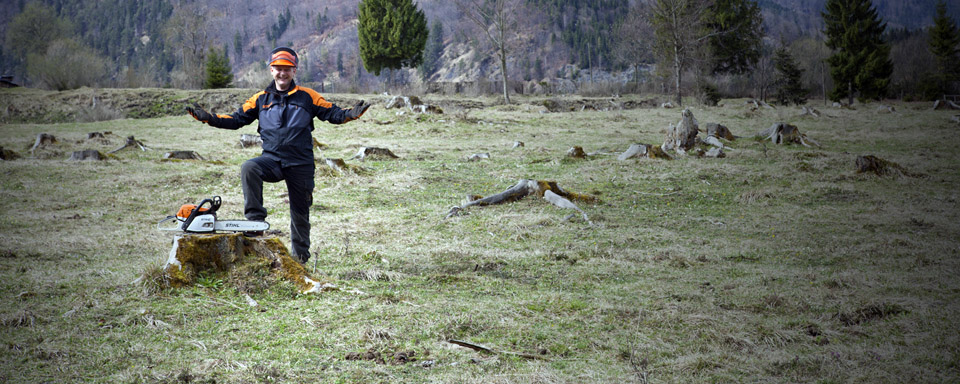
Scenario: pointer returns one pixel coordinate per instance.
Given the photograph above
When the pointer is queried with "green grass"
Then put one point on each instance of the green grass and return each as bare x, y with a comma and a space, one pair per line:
774, 264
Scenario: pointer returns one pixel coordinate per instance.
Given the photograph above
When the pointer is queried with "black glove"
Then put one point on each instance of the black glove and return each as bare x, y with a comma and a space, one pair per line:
199, 113
357, 110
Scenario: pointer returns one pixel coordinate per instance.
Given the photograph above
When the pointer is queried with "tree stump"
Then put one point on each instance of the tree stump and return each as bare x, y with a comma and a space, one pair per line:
576, 152
719, 131
237, 260
43, 139
880, 167
644, 151
248, 140
6, 154
365, 152
338, 167
682, 137
182, 155
886, 109
85, 155
809, 111
783, 133
131, 142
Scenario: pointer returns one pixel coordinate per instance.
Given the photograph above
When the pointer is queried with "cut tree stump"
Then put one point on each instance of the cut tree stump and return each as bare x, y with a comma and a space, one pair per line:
881, 167
338, 167
783, 133
182, 155
644, 151
131, 142
518, 191
85, 155
576, 152
719, 131
682, 137
365, 152
809, 111
886, 109
43, 139
234, 259
248, 140
6, 154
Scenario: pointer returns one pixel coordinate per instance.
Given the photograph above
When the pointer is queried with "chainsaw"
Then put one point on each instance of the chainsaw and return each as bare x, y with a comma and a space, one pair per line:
202, 218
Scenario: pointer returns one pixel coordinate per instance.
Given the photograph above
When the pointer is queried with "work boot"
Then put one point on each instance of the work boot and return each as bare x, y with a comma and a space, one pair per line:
302, 258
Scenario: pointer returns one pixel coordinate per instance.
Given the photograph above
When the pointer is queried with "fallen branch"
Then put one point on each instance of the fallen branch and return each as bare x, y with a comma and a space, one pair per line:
480, 348
561, 202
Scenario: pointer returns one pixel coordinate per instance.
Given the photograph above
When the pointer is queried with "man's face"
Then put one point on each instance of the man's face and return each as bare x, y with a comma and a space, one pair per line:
283, 76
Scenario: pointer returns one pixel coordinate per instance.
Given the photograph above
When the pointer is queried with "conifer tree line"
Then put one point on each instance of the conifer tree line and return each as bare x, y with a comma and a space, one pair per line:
683, 48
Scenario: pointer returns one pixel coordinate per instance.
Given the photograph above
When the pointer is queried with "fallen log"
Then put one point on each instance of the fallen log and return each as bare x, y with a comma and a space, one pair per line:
521, 189
478, 156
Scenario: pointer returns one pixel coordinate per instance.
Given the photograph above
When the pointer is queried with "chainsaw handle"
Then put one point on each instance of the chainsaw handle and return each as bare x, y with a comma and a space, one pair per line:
214, 206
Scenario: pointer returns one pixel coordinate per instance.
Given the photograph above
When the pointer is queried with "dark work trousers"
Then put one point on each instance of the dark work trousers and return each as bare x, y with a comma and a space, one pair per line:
300, 185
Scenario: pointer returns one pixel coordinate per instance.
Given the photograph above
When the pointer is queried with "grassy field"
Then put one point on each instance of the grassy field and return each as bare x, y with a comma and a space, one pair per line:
774, 264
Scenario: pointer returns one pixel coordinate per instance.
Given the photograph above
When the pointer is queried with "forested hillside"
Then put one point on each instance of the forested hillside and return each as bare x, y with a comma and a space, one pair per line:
158, 43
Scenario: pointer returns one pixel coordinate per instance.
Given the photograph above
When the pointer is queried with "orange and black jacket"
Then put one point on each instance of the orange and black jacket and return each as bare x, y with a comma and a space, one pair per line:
285, 121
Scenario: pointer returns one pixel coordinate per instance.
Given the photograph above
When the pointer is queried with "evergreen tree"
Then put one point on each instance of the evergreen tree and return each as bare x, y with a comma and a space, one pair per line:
432, 51
945, 43
392, 34
219, 73
340, 62
789, 81
861, 59
238, 47
736, 30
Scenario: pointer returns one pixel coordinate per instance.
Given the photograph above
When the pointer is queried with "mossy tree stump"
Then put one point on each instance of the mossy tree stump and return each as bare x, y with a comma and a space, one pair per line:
241, 261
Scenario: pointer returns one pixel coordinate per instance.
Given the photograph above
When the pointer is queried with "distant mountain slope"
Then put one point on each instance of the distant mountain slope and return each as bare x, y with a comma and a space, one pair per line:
558, 37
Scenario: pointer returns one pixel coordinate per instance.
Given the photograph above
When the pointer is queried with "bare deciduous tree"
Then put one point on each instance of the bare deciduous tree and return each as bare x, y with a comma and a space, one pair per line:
679, 29
498, 20
189, 34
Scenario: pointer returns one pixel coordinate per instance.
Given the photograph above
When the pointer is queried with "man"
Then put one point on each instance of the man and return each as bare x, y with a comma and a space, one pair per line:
285, 112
